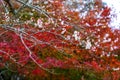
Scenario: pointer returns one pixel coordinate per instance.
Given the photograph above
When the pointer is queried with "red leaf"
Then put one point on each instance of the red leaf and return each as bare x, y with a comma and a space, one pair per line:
39, 72
106, 12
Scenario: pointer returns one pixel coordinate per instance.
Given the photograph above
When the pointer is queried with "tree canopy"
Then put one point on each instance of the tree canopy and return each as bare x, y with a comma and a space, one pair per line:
58, 40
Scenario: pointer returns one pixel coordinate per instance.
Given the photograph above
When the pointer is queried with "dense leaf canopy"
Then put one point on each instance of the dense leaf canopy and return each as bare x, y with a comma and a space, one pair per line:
58, 40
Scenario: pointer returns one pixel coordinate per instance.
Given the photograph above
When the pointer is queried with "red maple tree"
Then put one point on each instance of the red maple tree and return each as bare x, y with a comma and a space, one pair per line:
59, 42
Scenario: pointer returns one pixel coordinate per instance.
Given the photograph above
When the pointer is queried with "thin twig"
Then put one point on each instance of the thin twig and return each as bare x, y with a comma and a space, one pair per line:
30, 55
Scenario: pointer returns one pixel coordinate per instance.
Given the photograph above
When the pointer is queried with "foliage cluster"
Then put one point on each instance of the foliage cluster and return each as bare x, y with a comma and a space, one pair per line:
46, 40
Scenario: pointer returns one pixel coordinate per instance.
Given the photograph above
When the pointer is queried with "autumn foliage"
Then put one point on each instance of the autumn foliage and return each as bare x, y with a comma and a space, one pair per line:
59, 44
